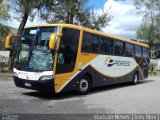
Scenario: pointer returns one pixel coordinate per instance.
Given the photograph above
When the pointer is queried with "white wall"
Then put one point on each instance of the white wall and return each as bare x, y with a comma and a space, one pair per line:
156, 61
4, 53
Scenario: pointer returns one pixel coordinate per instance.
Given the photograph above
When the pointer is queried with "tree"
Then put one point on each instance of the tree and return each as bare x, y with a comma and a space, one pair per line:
94, 20
4, 9
147, 32
150, 27
76, 12
25, 9
4, 30
4, 15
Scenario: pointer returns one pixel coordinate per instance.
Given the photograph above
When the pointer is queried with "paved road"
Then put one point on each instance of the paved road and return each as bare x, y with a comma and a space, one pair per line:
124, 98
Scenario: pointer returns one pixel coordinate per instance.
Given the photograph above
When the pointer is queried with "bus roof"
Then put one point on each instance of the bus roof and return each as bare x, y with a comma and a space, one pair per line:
93, 31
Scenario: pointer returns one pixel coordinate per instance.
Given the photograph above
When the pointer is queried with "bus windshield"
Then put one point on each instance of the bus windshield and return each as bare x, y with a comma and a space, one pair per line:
33, 53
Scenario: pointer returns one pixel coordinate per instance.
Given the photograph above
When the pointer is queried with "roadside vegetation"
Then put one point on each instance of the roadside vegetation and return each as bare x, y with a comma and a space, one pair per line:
152, 69
149, 30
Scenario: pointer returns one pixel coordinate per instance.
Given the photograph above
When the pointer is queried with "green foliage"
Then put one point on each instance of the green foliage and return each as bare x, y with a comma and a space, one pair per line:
64, 11
76, 12
28, 9
31, 7
4, 31
157, 53
59, 11
150, 27
94, 20
4, 9
147, 32
4, 15
152, 69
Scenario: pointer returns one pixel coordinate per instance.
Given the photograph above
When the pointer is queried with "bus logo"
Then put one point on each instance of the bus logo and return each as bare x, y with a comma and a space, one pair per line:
107, 60
110, 62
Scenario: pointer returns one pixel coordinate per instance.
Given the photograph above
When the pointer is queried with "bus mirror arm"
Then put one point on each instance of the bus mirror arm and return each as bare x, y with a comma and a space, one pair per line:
53, 51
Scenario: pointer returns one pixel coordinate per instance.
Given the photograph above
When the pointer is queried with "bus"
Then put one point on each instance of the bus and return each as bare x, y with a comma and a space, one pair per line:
64, 57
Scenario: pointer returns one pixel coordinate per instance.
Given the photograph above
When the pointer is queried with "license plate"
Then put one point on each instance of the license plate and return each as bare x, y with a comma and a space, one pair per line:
28, 84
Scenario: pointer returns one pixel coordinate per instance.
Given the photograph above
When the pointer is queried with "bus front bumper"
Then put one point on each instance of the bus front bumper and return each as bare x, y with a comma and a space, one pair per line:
45, 85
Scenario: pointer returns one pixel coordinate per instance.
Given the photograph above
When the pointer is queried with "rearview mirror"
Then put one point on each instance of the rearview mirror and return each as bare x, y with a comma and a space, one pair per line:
52, 40
11, 42
7, 42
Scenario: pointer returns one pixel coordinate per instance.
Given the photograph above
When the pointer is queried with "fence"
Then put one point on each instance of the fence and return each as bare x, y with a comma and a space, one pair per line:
4, 58
156, 62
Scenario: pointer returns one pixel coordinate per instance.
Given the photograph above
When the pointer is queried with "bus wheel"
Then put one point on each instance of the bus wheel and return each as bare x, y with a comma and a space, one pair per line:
84, 85
135, 78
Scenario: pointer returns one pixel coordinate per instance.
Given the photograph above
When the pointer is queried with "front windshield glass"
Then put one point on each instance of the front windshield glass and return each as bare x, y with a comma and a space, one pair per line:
33, 52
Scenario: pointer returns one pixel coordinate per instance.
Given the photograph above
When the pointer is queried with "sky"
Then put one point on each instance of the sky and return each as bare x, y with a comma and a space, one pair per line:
125, 21
98, 4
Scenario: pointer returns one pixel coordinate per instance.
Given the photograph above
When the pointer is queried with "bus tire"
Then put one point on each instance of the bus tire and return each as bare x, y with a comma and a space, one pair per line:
84, 85
135, 78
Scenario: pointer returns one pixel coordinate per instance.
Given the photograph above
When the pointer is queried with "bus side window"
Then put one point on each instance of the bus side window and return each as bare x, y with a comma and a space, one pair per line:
129, 48
118, 48
145, 52
138, 51
90, 43
106, 45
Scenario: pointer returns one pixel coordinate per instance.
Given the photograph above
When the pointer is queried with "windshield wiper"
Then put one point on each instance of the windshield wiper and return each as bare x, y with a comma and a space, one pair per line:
32, 45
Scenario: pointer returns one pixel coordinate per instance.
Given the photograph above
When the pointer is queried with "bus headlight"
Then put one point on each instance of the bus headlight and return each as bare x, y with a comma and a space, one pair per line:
46, 77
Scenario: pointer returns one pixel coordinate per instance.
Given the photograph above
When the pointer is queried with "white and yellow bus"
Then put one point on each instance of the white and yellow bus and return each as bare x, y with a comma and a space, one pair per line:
64, 57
